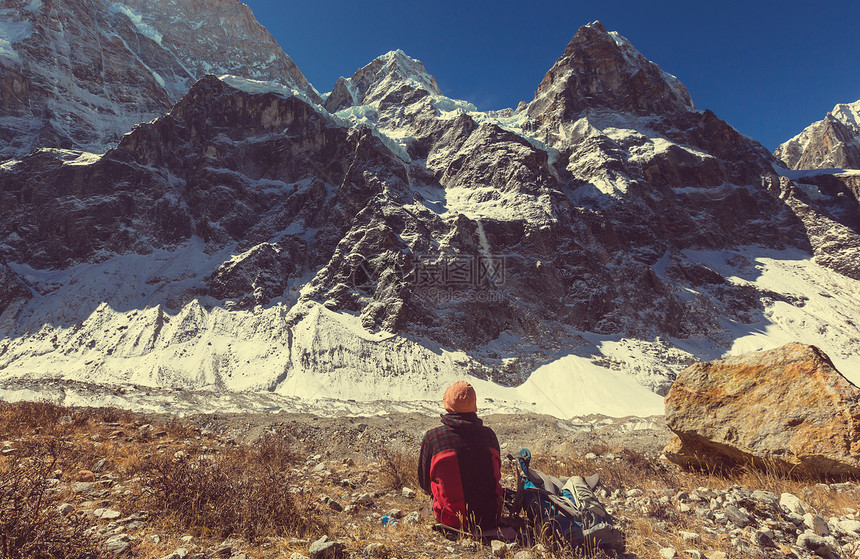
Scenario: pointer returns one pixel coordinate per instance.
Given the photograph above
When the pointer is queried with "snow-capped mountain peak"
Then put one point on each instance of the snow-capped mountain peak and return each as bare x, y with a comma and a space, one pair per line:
830, 143
386, 74
601, 70
410, 70
848, 114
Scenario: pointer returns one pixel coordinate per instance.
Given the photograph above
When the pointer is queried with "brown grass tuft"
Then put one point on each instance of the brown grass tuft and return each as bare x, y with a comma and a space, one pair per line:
31, 526
27, 418
397, 468
177, 429
242, 492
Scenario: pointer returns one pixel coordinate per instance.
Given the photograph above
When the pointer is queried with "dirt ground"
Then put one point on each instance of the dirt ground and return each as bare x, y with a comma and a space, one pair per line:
357, 437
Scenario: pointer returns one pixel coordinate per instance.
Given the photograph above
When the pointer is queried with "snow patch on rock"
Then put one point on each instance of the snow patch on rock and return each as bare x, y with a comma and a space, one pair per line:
137, 19
12, 32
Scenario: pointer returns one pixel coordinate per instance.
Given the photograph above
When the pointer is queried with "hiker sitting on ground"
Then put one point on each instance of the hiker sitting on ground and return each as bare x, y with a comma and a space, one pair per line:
460, 465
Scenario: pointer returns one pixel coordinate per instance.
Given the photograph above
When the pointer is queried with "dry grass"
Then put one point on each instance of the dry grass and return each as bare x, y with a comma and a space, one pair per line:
397, 468
31, 525
28, 418
247, 492
240, 492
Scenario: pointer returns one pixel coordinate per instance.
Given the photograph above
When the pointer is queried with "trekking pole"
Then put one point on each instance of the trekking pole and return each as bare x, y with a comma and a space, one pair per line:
517, 504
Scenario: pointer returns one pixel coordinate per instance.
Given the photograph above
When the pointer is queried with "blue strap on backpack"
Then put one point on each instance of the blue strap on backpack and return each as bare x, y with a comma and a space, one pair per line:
524, 458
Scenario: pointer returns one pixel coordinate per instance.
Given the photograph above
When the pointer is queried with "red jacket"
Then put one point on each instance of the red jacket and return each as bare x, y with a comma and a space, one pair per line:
460, 466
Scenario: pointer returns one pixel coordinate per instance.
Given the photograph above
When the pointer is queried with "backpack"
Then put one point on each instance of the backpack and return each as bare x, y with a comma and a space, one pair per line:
566, 510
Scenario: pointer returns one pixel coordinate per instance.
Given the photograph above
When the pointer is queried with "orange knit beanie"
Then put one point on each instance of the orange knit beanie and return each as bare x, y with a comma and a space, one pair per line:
460, 398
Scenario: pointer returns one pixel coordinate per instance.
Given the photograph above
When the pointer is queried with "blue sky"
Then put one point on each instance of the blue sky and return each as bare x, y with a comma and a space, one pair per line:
767, 68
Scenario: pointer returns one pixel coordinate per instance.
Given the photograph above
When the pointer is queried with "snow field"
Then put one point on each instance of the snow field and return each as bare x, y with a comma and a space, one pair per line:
109, 323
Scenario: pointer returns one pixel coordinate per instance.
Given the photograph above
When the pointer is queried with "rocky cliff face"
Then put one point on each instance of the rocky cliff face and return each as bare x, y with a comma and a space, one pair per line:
394, 239
81, 74
832, 143
828, 207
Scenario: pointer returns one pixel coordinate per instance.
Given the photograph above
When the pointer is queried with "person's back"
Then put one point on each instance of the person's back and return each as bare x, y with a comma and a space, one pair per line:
460, 465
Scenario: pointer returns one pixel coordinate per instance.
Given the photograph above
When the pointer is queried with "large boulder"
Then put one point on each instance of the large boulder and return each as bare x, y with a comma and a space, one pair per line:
787, 409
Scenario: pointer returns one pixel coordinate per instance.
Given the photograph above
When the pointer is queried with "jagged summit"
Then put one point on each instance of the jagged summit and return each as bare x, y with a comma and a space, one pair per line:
830, 143
601, 70
385, 74
602, 97
848, 113
80, 74
231, 30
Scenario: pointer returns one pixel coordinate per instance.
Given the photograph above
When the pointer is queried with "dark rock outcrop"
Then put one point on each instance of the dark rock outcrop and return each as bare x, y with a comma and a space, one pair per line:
223, 165
827, 205
12, 287
260, 274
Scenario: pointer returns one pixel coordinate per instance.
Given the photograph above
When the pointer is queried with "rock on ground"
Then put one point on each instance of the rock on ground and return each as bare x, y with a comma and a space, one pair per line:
787, 408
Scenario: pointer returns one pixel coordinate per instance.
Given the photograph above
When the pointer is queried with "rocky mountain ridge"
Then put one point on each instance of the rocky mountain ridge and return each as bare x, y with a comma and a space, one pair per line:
831, 143
605, 235
79, 75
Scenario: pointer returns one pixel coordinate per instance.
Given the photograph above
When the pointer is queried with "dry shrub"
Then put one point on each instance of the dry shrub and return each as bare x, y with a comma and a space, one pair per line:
104, 415
638, 470
47, 418
23, 418
177, 429
274, 451
243, 492
30, 524
397, 469
38, 424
